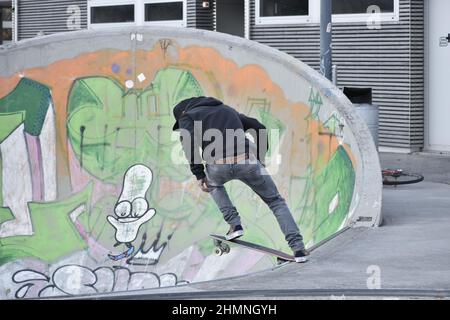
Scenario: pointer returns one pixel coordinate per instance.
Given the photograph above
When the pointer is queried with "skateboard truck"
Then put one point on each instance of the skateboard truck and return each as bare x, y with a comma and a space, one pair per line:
221, 248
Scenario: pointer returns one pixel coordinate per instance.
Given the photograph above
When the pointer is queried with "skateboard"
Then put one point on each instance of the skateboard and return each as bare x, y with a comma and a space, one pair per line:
222, 247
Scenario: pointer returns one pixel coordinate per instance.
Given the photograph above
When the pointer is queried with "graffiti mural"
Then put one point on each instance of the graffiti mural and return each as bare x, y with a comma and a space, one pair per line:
79, 280
91, 200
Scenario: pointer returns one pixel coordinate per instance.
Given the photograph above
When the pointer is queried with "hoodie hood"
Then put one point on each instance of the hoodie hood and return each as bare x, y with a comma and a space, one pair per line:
191, 103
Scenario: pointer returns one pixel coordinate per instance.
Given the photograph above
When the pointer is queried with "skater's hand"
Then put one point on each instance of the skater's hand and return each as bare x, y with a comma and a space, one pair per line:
203, 184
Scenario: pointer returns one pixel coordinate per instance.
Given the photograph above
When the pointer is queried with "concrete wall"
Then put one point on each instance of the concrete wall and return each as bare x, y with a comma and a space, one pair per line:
94, 198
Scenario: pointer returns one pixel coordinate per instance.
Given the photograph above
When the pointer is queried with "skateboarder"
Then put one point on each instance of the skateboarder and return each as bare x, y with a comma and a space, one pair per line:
219, 130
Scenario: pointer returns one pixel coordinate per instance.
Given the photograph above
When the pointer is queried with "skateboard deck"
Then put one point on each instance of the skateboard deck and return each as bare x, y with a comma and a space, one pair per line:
219, 240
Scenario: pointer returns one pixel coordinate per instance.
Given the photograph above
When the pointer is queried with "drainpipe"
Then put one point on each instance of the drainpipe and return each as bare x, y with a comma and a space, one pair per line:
326, 61
15, 19
247, 18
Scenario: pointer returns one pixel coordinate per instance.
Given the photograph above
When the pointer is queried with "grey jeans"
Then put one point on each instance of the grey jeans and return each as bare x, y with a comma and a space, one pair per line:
252, 173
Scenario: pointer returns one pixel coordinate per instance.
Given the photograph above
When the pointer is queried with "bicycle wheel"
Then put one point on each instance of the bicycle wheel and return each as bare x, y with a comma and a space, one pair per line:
402, 178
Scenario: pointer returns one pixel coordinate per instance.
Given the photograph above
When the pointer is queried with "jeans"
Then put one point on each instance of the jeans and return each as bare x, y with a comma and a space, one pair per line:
252, 173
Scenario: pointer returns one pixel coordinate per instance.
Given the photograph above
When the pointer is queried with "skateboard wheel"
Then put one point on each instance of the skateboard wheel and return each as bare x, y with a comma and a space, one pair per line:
218, 251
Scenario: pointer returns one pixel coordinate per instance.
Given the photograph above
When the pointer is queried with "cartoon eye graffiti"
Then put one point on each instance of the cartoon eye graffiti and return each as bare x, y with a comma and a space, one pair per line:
123, 209
139, 207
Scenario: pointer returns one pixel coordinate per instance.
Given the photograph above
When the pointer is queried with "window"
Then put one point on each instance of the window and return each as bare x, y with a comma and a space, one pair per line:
364, 10
272, 8
6, 13
304, 11
107, 13
164, 11
284, 11
6, 24
112, 14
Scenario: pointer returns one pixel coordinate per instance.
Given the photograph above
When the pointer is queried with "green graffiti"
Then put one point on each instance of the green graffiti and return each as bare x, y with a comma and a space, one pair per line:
32, 100
333, 124
10, 122
335, 183
111, 129
55, 235
272, 125
315, 102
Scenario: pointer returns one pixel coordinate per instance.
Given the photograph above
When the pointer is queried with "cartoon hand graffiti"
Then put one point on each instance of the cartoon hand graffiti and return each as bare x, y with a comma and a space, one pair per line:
132, 209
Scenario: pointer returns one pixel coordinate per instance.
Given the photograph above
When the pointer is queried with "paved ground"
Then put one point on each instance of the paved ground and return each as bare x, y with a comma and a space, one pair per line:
409, 252
433, 167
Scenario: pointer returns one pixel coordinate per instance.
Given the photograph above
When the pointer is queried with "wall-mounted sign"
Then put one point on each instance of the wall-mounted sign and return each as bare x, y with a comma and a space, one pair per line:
444, 41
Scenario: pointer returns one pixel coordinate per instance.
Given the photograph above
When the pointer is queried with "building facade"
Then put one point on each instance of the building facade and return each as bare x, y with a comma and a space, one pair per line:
382, 44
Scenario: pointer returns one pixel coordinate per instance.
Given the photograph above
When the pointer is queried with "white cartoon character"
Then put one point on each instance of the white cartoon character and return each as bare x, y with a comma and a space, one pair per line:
132, 209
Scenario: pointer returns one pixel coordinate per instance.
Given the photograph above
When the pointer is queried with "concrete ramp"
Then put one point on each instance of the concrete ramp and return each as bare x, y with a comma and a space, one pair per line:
95, 195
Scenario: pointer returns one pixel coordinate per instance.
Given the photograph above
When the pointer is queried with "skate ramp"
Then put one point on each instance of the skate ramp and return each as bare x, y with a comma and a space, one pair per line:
95, 194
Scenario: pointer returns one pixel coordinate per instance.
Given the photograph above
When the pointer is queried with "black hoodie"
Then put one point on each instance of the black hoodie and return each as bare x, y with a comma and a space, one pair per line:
195, 116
